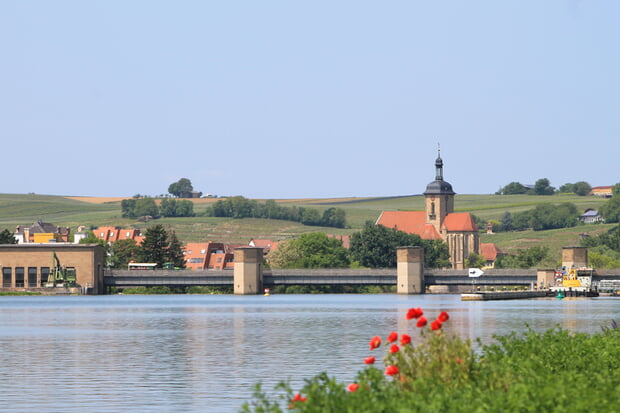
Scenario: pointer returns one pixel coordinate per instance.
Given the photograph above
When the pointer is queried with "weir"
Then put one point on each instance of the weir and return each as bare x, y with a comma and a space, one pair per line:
410, 277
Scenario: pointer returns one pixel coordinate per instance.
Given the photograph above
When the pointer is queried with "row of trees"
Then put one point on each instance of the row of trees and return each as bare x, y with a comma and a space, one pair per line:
240, 207
373, 247
159, 246
542, 217
543, 187
135, 208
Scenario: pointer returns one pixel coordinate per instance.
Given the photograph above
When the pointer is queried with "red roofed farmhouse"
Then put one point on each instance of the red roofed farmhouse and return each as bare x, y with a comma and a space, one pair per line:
439, 221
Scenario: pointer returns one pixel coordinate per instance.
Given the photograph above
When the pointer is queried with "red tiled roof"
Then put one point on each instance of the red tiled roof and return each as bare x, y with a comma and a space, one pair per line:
459, 222
411, 222
490, 251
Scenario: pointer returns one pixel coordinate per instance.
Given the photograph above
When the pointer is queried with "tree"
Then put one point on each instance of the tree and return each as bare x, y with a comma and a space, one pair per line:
91, 238
311, 216
334, 217
506, 221
615, 190
475, 261
311, 250
375, 247
123, 252
542, 187
580, 188
547, 216
513, 188
146, 207
173, 208
283, 256
317, 250
174, 252
611, 209
154, 245
141, 207
6, 237
181, 187
525, 258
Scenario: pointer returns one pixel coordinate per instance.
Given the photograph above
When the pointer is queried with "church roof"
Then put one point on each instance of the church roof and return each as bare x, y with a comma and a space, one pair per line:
414, 222
459, 222
490, 251
411, 222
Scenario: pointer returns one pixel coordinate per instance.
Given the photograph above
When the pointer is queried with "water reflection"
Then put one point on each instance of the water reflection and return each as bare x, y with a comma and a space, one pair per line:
203, 353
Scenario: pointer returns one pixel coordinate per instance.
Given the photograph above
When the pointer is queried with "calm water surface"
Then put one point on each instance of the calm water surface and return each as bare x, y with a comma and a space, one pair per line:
204, 353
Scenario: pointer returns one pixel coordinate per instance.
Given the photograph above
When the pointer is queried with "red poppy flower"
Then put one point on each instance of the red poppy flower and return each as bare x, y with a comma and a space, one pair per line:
375, 342
299, 398
352, 387
436, 325
391, 370
421, 322
414, 313
459, 361
392, 337
394, 349
405, 339
370, 360
443, 317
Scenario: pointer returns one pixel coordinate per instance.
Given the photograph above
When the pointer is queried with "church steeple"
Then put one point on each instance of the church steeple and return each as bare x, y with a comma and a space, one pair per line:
439, 196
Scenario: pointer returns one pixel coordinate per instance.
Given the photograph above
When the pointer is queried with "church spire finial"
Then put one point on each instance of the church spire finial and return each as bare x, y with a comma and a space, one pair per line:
438, 165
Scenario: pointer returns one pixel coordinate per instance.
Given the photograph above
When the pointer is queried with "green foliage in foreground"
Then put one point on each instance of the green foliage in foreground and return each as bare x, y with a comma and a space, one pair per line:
553, 371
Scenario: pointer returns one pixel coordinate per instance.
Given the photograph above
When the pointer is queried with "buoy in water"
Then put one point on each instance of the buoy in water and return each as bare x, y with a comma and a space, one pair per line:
266, 292
560, 295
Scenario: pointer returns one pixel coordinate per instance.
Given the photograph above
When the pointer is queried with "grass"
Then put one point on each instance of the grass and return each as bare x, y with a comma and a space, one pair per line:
16, 209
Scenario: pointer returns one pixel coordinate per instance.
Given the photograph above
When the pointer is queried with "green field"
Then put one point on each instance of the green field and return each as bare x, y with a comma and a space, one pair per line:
25, 209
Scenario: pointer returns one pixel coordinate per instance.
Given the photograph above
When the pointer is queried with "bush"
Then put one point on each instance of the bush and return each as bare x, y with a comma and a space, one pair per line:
554, 371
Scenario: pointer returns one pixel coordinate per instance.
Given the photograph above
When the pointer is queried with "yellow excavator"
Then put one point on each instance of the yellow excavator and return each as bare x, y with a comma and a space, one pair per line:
60, 276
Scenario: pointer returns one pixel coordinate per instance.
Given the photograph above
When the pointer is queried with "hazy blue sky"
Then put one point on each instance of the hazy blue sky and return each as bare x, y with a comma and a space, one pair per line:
288, 99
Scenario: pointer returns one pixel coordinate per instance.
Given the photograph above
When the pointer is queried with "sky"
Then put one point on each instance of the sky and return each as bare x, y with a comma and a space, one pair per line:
306, 99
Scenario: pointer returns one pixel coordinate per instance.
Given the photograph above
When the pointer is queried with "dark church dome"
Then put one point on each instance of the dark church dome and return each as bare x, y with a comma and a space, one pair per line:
439, 188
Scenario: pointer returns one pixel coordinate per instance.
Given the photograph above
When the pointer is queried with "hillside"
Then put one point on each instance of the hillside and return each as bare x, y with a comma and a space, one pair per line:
92, 212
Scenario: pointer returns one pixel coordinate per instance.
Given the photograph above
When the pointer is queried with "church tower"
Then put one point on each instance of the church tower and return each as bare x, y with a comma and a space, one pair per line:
439, 197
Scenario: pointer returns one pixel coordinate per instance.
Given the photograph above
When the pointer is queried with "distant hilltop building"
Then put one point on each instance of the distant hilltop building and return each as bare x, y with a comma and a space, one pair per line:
604, 191
439, 221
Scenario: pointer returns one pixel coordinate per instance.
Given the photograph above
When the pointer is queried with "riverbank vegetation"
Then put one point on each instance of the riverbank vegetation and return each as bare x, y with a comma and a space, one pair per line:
431, 370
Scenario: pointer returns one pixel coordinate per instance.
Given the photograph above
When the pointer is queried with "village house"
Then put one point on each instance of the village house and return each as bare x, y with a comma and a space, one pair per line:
113, 234
41, 232
208, 256
591, 216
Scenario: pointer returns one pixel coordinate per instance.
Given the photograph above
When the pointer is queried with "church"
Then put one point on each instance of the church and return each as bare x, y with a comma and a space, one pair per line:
439, 221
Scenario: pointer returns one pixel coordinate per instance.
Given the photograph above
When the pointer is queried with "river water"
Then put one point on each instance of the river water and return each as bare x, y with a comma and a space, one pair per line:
203, 353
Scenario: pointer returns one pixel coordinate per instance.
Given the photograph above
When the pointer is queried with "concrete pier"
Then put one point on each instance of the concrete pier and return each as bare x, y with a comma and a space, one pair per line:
410, 270
502, 295
248, 271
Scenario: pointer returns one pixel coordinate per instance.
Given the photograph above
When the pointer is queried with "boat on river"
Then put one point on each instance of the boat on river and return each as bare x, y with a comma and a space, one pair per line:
574, 282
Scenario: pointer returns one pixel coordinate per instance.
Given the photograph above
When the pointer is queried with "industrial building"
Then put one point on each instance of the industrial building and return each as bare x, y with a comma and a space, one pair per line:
27, 267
